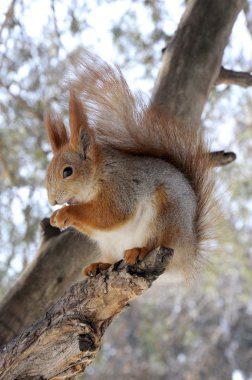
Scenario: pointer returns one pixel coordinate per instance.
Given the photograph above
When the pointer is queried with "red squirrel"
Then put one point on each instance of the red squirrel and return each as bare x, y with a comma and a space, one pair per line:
128, 176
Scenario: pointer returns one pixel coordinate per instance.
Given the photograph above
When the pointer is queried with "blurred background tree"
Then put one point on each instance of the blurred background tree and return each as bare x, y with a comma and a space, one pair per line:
176, 331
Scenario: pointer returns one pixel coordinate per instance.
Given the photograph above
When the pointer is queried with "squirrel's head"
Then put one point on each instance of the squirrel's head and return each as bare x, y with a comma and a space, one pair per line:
70, 174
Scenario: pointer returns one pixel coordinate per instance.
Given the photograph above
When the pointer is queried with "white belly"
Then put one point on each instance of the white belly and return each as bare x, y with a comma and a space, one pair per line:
134, 233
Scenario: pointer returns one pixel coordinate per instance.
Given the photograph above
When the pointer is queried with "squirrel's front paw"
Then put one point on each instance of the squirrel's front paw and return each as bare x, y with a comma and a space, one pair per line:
61, 218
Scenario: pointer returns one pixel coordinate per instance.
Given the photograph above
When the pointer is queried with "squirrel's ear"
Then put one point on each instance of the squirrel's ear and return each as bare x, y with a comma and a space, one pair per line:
56, 131
82, 136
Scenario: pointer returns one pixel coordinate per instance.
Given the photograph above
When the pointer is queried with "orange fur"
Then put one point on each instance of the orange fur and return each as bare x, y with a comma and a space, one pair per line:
98, 214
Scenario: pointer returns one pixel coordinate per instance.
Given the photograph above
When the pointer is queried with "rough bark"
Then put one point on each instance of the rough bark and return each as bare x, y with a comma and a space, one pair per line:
66, 339
189, 70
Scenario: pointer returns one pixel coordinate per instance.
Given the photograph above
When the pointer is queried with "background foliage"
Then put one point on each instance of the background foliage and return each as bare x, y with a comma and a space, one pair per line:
176, 331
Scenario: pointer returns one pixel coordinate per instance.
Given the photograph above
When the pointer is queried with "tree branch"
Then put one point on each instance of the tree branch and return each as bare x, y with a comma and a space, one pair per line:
66, 339
238, 78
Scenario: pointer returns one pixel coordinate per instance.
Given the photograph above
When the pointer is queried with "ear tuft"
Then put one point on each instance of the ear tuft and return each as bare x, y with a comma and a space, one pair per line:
86, 140
56, 131
81, 134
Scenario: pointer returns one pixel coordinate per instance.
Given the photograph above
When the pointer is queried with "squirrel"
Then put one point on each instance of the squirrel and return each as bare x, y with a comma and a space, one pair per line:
128, 176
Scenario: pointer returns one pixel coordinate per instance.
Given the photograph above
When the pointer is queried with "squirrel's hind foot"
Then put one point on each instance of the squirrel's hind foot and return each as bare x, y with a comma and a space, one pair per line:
95, 268
131, 256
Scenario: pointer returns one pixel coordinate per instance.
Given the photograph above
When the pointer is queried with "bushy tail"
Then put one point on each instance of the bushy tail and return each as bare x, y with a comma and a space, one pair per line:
128, 123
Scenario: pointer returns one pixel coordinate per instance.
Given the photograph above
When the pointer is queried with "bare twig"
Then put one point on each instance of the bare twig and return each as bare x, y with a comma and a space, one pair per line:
7, 173
8, 16
56, 29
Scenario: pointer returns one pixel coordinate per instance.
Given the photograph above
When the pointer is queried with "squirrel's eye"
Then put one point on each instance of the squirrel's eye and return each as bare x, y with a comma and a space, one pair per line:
67, 172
